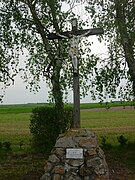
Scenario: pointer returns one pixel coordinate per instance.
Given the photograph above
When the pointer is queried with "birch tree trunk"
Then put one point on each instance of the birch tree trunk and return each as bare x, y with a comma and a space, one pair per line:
126, 38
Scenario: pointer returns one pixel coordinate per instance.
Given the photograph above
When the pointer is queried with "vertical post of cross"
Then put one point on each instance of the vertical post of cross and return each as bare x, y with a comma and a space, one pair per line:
76, 87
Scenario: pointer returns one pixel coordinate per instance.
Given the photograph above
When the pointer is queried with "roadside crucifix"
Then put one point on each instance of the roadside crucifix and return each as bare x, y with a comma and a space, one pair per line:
74, 37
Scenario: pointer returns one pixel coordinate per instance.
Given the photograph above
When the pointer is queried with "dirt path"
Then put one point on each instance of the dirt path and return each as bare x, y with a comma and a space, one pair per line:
112, 109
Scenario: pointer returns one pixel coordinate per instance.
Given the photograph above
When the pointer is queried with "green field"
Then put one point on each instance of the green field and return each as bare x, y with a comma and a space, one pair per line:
14, 127
25, 108
15, 119
18, 108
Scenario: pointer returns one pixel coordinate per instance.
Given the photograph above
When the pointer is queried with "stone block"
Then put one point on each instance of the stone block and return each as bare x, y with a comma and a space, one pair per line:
75, 162
48, 167
72, 177
86, 178
65, 142
88, 142
60, 152
91, 152
69, 169
59, 169
46, 176
57, 177
100, 152
85, 171
100, 170
104, 177
93, 162
53, 159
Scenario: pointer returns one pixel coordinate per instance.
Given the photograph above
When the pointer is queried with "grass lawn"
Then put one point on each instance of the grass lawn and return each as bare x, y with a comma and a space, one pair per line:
15, 128
18, 163
24, 163
111, 124
107, 119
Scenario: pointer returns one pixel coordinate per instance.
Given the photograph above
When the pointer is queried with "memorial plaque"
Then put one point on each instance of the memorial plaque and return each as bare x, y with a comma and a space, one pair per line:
74, 153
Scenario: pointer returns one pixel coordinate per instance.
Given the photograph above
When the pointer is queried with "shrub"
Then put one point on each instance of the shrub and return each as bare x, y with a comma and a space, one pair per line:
122, 140
45, 128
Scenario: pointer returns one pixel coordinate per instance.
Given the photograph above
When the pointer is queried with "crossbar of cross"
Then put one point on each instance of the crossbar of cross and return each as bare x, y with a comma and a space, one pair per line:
69, 34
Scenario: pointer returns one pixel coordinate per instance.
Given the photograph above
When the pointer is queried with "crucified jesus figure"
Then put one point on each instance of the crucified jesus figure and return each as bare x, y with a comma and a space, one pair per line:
74, 46
73, 52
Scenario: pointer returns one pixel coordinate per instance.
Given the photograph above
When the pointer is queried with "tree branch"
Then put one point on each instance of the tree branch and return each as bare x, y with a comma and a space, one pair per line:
53, 12
4, 71
40, 27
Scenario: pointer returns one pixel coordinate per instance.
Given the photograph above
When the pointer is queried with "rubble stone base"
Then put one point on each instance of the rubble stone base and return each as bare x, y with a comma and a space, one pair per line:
90, 164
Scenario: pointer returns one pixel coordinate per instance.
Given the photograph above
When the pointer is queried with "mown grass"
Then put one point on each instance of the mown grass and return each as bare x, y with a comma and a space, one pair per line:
107, 119
110, 124
15, 128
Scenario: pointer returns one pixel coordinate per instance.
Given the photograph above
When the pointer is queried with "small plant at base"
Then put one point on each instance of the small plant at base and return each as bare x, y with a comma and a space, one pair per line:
103, 140
104, 143
21, 144
7, 145
122, 140
0, 145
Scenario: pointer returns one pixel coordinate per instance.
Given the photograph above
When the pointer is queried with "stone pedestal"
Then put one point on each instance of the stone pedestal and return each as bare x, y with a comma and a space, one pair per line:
76, 156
